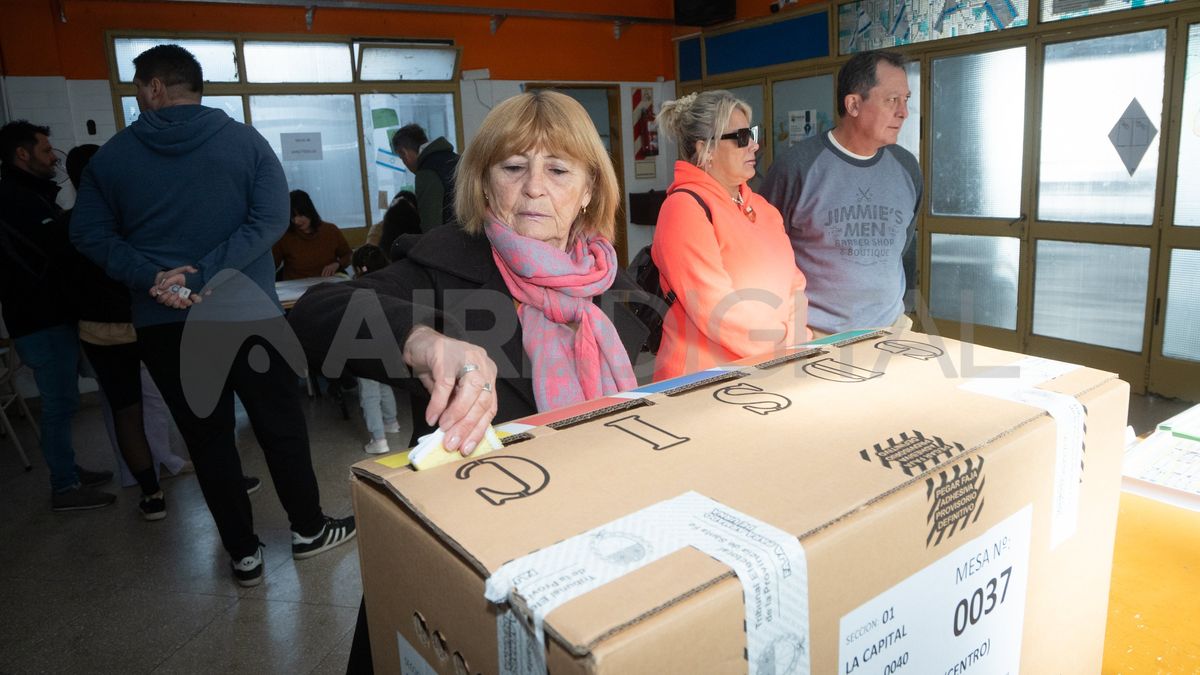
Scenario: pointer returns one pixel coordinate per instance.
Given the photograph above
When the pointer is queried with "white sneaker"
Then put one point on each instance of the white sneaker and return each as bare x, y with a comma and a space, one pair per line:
392, 427
378, 447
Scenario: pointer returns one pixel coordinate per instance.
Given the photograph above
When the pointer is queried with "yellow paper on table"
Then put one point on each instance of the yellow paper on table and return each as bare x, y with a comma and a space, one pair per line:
429, 451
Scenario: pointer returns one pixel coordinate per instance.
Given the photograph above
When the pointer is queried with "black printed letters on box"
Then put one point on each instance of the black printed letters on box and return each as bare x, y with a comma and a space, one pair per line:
911, 349
752, 398
507, 477
912, 452
657, 438
955, 499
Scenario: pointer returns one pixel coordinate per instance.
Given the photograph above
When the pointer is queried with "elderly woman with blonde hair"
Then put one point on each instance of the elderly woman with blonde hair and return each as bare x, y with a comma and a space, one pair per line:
520, 308
501, 315
721, 249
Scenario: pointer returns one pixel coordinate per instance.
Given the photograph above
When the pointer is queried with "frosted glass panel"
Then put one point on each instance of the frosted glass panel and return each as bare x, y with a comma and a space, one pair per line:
910, 133
218, 58
974, 279
407, 63
801, 108
332, 177
1100, 165
232, 105
383, 114
1094, 293
978, 131
297, 62
1181, 339
1187, 197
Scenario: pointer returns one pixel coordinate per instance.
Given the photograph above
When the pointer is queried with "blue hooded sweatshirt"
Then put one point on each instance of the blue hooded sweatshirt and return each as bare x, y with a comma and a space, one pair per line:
184, 185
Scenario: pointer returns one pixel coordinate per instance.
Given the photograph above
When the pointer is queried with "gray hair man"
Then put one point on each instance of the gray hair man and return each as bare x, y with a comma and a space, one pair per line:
849, 198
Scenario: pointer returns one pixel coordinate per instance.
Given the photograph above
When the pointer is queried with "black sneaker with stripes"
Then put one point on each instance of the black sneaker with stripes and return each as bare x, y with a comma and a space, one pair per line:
248, 571
335, 532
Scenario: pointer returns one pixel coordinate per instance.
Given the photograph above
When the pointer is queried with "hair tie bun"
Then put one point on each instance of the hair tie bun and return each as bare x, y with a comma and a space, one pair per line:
686, 102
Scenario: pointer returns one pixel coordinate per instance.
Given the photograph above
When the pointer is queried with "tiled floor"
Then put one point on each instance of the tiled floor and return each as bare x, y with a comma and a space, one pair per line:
106, 592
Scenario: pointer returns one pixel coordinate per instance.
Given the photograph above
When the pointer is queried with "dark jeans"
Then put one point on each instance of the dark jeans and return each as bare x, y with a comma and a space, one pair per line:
53, 356
272, 402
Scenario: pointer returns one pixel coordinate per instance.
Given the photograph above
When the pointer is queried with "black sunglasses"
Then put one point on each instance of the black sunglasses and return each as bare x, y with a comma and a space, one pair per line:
743, 136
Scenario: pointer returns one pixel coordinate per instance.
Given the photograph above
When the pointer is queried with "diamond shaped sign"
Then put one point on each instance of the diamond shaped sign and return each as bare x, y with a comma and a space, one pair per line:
1132, 135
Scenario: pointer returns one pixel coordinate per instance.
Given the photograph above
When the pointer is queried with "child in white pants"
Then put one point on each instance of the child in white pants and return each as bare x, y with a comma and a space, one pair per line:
377, 400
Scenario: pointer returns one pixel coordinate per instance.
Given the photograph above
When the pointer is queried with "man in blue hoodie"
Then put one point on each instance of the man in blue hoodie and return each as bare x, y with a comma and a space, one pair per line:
182, 205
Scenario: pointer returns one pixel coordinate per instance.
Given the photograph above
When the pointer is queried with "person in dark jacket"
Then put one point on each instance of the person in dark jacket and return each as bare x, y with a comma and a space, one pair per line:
183, 207
37, 294
525, 309
433, 164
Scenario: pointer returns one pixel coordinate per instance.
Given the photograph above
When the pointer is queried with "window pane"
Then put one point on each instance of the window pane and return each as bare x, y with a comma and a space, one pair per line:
978, 134
1187, 197
331, 176
974, 279
383, 114
878, 24
1101, 166
232, 105
218, 58
801, 108
1094, 293
1054, 10
910, 133
1181, 339
408, 63
297, 62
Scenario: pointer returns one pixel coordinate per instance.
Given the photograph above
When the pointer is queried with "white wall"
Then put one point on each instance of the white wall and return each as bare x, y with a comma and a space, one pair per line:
479, 96
65, 106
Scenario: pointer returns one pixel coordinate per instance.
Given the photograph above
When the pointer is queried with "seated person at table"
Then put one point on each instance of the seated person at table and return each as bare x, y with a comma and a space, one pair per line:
529, 259
311, 247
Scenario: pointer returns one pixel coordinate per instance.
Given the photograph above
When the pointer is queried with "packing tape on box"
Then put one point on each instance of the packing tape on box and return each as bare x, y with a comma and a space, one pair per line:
769, 562
1018, 382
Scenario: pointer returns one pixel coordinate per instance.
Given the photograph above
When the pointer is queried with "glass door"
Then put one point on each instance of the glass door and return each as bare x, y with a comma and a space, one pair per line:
973, 207
1175, 354
1093, 242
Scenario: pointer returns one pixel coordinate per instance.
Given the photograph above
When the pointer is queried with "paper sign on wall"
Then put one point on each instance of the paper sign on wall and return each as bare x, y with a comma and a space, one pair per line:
301, 147
802, 124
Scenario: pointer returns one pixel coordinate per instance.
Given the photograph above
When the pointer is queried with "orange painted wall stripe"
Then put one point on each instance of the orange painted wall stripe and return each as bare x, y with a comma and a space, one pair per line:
33, 41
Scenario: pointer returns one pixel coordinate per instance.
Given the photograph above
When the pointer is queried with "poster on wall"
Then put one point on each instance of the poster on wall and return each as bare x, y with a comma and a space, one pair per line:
802, 124
645, 129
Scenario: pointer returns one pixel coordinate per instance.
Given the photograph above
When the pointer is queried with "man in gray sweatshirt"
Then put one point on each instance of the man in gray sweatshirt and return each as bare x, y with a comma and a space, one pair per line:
850, 196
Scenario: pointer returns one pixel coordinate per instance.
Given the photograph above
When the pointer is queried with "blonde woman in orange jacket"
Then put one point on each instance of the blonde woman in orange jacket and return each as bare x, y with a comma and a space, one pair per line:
738, 290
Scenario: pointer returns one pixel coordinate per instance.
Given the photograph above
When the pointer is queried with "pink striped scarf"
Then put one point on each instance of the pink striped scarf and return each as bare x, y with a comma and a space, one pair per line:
555, 289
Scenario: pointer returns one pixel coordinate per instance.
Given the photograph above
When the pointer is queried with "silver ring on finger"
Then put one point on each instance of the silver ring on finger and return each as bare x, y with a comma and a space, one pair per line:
467, 368
487, 386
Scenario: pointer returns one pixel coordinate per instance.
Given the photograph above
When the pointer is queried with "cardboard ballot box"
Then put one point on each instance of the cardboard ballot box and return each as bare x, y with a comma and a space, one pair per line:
871, 503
